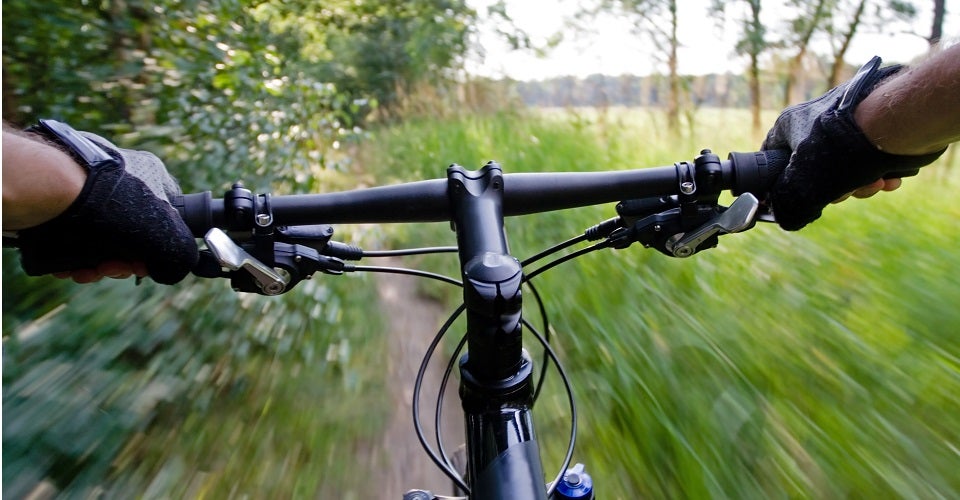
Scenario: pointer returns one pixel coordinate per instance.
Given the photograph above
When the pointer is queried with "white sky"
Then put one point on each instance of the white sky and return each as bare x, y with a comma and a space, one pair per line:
706, 48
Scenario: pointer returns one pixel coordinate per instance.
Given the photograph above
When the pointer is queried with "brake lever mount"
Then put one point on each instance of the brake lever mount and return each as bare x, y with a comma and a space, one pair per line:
265, 259
665, 231
739, 216
691, 221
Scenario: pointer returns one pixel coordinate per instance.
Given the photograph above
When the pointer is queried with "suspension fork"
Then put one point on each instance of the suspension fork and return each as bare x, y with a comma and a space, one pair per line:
496, 389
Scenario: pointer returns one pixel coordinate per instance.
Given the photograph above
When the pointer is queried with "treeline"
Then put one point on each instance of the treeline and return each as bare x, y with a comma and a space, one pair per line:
713, 90
791, 40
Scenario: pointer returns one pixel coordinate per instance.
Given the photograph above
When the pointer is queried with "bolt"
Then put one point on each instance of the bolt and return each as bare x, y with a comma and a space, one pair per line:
683, 252
657, 227
297, 258
687, 187
263, 219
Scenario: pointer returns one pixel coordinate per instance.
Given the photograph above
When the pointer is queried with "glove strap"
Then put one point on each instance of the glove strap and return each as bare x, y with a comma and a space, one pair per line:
84, 151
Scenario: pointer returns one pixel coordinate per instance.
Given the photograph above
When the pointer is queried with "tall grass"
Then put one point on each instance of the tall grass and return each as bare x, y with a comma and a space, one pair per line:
817, 364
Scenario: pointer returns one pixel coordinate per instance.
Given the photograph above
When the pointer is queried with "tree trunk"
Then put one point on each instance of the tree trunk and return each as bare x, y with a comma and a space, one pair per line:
838, 55
936, 31
673, 99
755, 46
802, 43
755, 92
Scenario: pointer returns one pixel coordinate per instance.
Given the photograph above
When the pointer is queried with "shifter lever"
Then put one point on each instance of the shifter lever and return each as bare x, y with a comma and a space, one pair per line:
234, 258
740, 216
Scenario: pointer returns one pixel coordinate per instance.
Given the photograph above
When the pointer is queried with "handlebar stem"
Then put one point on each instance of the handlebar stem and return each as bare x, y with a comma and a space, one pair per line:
491, 276
496, 373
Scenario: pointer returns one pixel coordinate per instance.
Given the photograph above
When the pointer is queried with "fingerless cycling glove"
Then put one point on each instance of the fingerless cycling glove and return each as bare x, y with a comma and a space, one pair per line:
123, 213
831, 155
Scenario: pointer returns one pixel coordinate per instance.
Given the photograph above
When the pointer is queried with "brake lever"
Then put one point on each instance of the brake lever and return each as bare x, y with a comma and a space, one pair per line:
234, 258
291, 264
665, 231
739, 216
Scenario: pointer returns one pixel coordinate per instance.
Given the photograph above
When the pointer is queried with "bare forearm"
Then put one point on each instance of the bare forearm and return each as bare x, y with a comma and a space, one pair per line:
39, 181
918, 110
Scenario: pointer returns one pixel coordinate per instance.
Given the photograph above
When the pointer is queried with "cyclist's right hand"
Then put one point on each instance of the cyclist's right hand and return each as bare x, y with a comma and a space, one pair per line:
831, 157
121, 224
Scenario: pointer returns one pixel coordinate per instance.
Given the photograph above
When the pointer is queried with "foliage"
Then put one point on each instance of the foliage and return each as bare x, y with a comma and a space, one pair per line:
394, 45
817, 364
101, 380
251, 89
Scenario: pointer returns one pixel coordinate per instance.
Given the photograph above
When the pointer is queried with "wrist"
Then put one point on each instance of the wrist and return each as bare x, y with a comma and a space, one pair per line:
911, 113
40, 181
881, 126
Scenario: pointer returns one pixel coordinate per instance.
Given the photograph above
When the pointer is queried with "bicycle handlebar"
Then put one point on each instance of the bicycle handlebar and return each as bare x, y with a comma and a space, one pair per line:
523, 193
285, 239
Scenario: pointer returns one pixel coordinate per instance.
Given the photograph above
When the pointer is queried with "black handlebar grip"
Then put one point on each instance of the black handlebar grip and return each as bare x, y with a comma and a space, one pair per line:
196, 211
757, 171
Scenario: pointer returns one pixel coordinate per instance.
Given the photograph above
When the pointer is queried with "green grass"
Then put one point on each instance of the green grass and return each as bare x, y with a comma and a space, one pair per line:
818, 364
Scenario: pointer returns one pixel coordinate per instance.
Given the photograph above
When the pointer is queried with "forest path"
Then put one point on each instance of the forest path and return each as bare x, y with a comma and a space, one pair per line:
399, 463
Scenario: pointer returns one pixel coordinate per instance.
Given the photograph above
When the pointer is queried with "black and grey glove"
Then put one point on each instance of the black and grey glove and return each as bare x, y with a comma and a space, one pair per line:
830, 154
123, 213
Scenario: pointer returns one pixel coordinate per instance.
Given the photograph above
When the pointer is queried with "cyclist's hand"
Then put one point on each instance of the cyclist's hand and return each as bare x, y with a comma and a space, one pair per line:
872, 189
109, 269
831, 158
121, 224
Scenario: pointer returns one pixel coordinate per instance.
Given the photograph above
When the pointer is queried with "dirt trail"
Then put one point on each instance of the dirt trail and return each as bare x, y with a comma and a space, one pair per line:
399, 463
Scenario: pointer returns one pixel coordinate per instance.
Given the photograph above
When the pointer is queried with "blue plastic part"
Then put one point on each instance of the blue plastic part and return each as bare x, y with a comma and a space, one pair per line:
575, 485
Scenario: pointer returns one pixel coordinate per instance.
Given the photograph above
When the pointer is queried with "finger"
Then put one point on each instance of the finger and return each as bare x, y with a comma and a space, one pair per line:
892, 184
116, 269
844, 197
140, 269
870, 189
85, 276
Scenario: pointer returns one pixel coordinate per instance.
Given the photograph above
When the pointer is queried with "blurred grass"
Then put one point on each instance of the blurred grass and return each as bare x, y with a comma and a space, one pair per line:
818, 364
116, 390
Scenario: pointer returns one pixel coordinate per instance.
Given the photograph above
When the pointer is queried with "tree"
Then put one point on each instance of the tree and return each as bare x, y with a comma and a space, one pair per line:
657, 20
381, 50
850, 18
811, 15
752, 43
936, 30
